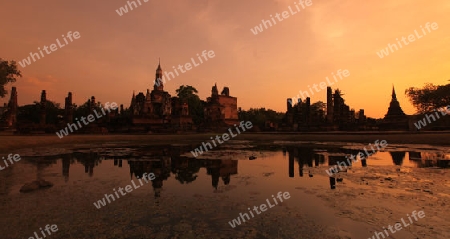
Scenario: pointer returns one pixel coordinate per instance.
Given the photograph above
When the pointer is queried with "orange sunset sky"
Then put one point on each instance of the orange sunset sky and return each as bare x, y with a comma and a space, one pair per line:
118, 54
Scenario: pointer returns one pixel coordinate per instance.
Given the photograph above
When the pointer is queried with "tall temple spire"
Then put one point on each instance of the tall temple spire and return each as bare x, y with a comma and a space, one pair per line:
214, 90
133, 100
158, 83
394, 106
395, 118
394, 96
43, 107
11, 114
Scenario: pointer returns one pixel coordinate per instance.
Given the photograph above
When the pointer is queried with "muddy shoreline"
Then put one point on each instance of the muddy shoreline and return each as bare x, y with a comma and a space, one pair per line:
12, 142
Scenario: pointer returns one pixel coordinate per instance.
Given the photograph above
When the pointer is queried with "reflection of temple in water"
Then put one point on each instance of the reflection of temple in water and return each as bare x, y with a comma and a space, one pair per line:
397, 157
311, 157
88, 160
161, 161
184, 169
159, 167
430, 159
221, 169
67, 160
304, 156
164, 161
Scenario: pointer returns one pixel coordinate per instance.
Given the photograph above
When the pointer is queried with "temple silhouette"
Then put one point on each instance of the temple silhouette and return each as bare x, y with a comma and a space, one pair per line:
158, 108
337, 115
155, 111
395, 118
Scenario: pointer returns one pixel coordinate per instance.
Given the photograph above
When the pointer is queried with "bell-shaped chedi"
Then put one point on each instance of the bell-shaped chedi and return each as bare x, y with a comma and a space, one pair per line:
394, 110
395, 118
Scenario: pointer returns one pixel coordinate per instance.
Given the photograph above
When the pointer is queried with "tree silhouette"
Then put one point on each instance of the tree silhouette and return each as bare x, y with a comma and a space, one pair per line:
31, 113
430, 97
188, 94
259, 116
8, 73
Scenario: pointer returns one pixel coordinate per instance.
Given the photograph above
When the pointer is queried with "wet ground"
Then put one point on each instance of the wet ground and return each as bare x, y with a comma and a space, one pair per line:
198, 197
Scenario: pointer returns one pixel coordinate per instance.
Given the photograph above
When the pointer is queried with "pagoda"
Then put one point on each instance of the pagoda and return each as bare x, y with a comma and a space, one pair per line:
395, 118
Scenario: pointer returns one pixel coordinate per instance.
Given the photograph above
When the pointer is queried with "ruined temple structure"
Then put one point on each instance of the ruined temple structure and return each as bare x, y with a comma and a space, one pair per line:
49, 122
221, 110
8, 113
342, 115
42, 109
91, 103
395, 118
299, 115
302, 116
68, 109
157, 109
180, 118
339, 114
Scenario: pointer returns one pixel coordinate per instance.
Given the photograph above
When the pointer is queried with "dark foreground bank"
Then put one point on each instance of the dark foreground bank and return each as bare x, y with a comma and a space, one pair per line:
8, 143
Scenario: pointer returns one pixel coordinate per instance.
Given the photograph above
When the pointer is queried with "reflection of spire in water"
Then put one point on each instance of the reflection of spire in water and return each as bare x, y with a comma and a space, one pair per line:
302, 155
291, 165
397, 157
185, 170
227, 168
220, 169
300, 167
306, 155
91, 169
364, 162
66, 166
131, 170
310, 161
215, 175
226, 179
89, 160
316, 160
157, 184
159, 167
332, 182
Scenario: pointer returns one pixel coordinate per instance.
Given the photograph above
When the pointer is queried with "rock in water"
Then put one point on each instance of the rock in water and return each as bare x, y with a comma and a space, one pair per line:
45, 184
29, 187
35, 185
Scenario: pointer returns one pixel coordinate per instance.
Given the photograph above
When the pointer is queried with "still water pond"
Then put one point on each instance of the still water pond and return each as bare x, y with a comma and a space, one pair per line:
188, 197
